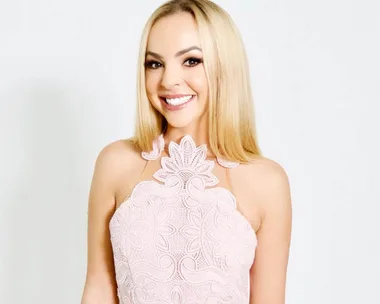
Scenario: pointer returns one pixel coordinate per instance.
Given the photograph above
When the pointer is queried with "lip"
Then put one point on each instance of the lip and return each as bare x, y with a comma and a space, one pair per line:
179, 107
170, 96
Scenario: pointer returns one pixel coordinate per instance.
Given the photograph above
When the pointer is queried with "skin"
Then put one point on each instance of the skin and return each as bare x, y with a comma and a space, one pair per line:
171, 70
262, 187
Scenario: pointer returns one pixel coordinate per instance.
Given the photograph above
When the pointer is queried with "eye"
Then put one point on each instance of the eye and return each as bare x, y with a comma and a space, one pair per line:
192, 61
151, 64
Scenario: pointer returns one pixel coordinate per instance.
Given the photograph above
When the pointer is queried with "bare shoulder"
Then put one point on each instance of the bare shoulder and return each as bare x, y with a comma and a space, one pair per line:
117, 157
265, 171
117, 166
272, 194
270, 172
113, 159
117, 150
269, 184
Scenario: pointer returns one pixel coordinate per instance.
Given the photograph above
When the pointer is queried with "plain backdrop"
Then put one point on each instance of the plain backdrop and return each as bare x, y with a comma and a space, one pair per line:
67, 89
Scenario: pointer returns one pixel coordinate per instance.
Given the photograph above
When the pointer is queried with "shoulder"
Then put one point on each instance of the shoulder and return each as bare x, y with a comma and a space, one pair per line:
269, 171
118, 148
274, 233
266, 170
117, 157
269, 182
118, 151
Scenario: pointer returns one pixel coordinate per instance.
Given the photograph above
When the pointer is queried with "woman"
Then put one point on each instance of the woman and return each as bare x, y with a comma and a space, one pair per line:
189, 211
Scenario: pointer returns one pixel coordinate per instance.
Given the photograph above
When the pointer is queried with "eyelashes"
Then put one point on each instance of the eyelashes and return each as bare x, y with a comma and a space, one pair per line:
194, 61
189, 62
152, 64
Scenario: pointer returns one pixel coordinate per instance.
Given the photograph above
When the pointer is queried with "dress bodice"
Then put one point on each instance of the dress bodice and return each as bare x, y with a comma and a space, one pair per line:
179, 239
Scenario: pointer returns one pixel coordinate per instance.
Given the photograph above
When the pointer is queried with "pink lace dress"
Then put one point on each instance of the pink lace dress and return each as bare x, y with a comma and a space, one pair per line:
179, 238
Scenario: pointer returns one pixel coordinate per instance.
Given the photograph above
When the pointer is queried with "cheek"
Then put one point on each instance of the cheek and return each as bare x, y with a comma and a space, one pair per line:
151, 82
198, 83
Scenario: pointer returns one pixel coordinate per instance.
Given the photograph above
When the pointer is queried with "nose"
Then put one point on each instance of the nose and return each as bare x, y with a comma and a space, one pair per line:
171, 76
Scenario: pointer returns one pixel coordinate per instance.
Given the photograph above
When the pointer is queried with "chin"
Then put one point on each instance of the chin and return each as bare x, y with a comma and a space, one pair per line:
181, 121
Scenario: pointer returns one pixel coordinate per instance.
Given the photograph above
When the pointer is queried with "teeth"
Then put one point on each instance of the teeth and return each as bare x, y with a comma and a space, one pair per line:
178, 101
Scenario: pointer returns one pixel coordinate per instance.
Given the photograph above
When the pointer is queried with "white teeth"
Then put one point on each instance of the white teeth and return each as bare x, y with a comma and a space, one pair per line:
178, 101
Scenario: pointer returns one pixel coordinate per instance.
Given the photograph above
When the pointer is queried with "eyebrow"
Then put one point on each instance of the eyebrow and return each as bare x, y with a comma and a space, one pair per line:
177, 54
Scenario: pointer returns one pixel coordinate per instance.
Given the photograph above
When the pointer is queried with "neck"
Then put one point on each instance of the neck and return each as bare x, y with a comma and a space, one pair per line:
197, 130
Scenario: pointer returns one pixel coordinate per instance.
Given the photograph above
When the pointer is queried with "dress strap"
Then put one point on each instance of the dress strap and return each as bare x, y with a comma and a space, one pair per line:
143, 170
229, 180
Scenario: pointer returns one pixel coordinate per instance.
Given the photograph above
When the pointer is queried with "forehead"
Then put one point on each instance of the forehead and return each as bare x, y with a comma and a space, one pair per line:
173, 33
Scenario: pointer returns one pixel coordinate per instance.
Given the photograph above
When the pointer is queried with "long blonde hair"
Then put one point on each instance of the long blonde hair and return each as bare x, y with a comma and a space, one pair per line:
232, 132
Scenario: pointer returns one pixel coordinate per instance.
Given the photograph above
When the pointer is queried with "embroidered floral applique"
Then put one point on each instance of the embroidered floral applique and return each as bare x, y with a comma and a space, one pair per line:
187, 161
178, 239
227, 163
127, 229
193, 232
158, 146
165, 229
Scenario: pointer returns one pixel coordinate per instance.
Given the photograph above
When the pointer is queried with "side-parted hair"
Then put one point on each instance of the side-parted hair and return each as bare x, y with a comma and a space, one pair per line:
232, 132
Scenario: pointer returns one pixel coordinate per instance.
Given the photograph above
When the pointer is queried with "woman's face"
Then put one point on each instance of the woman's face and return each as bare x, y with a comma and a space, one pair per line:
176, 82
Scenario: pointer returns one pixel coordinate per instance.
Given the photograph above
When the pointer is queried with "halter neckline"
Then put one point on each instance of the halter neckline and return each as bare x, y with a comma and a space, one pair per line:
159, 146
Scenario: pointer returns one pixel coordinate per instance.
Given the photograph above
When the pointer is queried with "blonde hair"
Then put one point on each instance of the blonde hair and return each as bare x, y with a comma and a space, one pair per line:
232, 133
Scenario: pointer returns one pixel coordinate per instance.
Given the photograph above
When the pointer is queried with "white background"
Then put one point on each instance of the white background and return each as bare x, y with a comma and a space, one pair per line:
67, 88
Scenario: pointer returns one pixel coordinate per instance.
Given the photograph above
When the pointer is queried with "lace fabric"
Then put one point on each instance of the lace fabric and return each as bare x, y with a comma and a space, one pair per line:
180, 239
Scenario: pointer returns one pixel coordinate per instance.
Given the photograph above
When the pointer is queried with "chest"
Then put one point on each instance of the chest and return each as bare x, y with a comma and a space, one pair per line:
182, 235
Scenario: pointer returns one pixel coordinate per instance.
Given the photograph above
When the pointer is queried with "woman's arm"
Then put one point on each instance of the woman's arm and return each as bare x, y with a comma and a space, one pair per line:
100, 285
268, 273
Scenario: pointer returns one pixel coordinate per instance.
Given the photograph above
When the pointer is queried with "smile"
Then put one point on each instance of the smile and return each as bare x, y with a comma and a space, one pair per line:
177, 103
